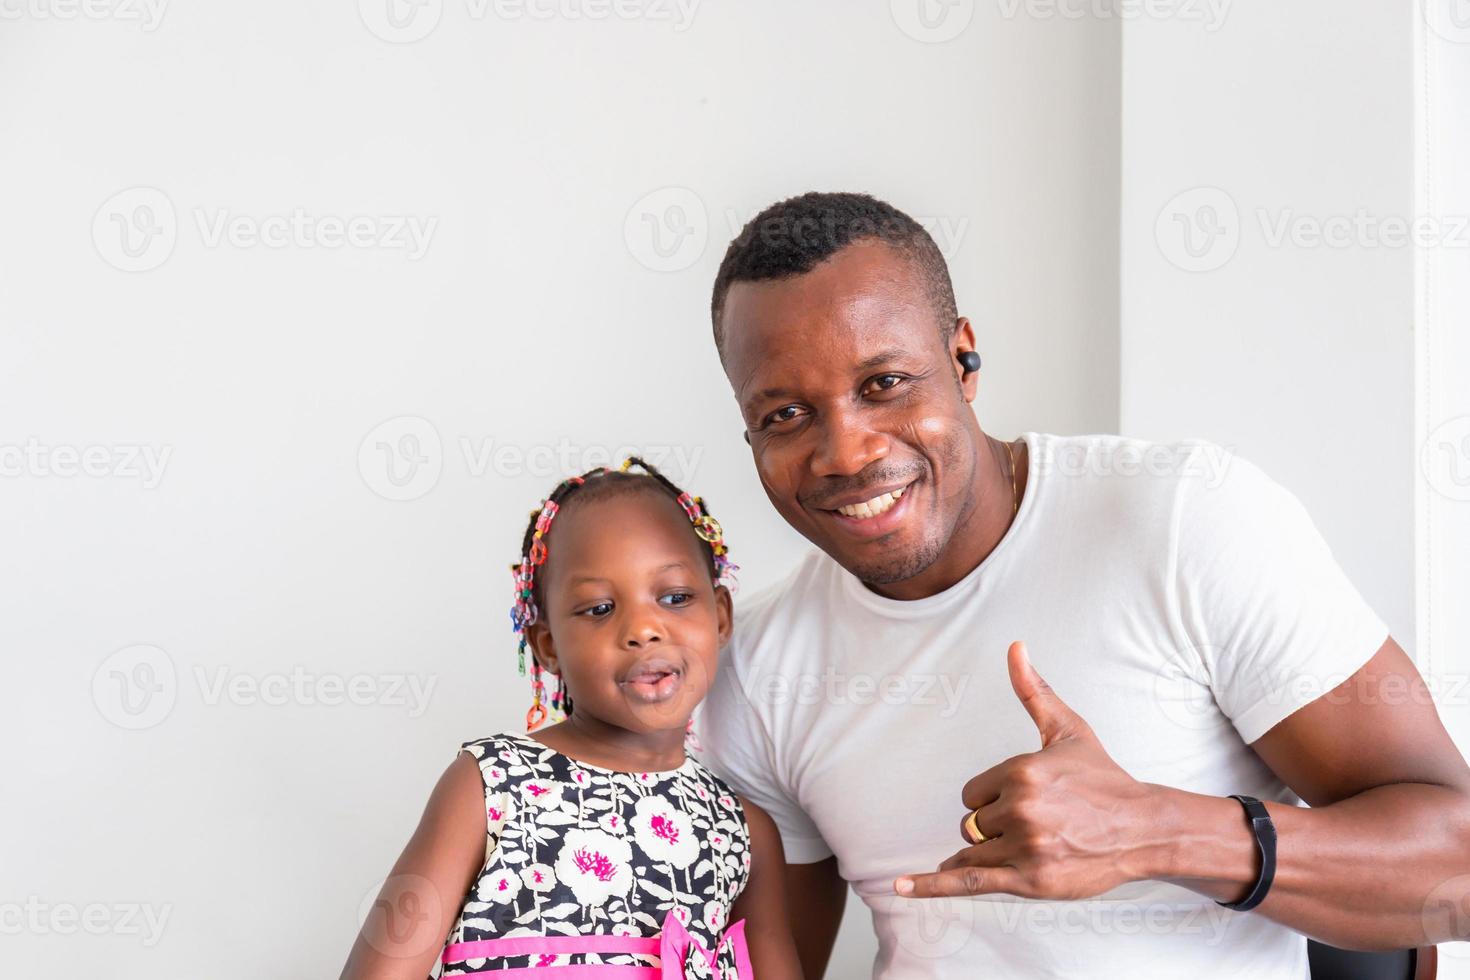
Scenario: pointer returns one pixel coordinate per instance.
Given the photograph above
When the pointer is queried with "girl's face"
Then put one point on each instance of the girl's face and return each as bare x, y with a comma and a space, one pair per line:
630, 618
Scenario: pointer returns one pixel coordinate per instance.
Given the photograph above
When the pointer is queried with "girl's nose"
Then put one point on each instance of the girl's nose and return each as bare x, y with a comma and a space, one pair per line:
641, 632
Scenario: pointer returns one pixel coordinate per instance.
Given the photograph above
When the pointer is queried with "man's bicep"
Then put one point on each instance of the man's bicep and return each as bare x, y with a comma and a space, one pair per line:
1377, 727
815, 898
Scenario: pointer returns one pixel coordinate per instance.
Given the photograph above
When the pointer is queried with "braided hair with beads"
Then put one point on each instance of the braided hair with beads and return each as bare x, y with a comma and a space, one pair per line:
526, 609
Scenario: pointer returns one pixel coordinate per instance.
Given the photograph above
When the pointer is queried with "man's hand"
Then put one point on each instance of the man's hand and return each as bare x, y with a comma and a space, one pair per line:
1064, 822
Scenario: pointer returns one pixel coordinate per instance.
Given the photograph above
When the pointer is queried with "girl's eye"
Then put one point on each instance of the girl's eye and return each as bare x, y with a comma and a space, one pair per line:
599, 610
784, 414
677, 598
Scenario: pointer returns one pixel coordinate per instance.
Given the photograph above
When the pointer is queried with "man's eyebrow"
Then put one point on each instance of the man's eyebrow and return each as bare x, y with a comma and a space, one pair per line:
883, 357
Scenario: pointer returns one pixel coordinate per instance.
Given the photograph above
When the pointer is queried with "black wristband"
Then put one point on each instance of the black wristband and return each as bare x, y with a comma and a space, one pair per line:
1265, 833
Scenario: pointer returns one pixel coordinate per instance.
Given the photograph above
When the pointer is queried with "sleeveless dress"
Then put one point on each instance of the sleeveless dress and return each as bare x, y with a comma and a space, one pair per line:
618, 875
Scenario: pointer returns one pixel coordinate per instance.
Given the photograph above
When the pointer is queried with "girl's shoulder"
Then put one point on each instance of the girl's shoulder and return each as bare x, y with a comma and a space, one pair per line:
504, 753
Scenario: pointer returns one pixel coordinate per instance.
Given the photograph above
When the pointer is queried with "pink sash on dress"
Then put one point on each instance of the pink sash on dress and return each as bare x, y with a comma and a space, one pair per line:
671, 947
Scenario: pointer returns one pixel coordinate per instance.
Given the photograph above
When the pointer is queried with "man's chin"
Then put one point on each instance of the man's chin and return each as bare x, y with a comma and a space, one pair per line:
892, 565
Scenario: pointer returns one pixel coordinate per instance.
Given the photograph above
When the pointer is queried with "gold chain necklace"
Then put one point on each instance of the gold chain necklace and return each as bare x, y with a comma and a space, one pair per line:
1015, 493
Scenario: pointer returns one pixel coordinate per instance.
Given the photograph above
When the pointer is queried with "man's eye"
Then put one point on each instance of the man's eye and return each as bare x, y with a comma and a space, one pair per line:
884, 382
785, 414
597, 611
677, 598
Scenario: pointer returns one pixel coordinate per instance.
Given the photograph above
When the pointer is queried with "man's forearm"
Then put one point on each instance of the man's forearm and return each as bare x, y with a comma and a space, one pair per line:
1364, 873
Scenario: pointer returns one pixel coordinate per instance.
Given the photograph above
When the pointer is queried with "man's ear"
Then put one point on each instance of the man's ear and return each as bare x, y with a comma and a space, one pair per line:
962, 340
725, 610
543, 647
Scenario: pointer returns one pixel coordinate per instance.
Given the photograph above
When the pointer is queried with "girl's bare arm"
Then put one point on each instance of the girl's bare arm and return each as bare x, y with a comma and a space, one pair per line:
763, 902
405, 931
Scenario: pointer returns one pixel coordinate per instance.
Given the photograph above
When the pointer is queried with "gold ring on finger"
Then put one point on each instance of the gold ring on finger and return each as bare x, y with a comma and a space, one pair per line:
972, 824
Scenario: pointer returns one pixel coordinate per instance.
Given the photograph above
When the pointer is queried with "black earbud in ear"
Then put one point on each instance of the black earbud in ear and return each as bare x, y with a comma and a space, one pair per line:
970, 361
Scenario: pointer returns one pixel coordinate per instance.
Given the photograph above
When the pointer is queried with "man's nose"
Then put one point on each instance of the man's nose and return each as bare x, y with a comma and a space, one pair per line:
846, 447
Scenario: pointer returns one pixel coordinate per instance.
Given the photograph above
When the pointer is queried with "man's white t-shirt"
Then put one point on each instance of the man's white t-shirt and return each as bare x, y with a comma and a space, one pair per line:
1172, 594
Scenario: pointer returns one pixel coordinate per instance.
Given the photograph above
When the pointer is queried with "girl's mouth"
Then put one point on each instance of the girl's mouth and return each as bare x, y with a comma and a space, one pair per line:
653, 680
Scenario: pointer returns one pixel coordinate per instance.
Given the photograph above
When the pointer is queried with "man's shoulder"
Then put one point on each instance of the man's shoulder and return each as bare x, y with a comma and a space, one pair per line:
772, 611
1123, 474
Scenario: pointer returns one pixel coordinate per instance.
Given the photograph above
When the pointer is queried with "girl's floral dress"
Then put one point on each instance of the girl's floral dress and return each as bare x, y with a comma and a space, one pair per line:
574, 850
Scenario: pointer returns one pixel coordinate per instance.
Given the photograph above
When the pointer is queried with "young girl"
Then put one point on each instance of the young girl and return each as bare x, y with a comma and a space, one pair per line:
596, 847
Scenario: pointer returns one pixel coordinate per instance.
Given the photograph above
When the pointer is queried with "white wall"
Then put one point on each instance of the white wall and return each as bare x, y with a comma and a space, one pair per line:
1297, 353
266, 550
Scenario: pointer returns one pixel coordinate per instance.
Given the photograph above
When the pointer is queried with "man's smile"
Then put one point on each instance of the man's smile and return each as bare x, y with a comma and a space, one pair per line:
871, 513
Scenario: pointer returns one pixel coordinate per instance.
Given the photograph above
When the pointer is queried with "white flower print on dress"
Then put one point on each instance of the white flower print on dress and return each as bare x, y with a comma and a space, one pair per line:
594, 865
538, 877
571, 851
664, 831
545, 793
499, 886
498, 809
714, 916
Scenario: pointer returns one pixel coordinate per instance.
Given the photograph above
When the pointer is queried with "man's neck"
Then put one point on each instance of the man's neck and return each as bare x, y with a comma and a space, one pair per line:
979, 531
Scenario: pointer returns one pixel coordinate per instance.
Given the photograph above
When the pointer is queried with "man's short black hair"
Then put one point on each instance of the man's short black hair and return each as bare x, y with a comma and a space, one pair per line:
792, 237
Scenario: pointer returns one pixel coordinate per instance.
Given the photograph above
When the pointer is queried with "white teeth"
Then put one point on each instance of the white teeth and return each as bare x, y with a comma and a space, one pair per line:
872, 508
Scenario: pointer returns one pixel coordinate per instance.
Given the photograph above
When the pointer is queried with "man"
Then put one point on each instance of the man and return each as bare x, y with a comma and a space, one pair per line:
1199, 640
